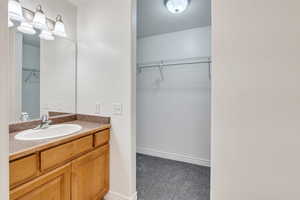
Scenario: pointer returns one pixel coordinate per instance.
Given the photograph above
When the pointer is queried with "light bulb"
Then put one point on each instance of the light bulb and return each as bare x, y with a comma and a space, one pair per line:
59, 28
39, 19
46, 35
26, 28
15, 11
177, 6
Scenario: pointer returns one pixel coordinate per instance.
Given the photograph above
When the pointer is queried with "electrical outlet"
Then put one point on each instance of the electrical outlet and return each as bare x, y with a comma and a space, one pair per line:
117, 108
98, 108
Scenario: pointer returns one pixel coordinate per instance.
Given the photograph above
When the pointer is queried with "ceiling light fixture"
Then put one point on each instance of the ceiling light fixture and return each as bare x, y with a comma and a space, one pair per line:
10, 23
15, 10
26, 28
59, 28
39, 20
177, 6
46, 35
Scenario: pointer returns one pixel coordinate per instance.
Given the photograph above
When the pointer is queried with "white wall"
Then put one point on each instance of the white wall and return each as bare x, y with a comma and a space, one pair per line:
173, 115
183, 44
105, 75
255, 100
4, 104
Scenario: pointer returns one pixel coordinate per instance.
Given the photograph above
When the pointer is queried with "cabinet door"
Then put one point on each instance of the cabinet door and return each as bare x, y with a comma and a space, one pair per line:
90, 175
55, 185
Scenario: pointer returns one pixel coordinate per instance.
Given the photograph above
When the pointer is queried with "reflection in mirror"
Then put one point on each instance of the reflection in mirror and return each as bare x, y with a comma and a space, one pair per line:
42, 76
30, 77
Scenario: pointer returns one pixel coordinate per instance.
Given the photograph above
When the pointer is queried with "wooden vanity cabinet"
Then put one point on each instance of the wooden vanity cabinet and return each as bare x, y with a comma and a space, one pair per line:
101, 138
62, 153
90, 175
55, 185
23, 170
76, 170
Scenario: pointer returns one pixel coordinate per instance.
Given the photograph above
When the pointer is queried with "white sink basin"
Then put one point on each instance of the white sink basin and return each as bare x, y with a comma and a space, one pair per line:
52, 132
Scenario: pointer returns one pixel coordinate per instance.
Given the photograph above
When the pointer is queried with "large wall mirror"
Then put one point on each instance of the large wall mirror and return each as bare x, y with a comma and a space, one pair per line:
42, 76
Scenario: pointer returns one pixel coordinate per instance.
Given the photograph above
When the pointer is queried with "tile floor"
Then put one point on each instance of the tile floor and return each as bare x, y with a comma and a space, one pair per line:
161, 179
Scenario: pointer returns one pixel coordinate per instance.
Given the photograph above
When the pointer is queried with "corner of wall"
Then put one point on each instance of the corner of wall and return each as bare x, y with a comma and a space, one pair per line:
4, 93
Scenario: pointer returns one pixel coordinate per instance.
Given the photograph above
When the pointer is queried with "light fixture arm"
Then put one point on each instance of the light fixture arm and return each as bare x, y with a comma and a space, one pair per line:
39, 9
59, 18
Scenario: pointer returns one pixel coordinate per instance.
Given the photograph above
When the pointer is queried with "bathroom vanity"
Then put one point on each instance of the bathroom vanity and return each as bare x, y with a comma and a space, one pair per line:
64, 160
73, 167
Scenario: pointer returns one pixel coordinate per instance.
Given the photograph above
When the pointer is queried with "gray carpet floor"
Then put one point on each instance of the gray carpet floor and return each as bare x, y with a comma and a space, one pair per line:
162, 179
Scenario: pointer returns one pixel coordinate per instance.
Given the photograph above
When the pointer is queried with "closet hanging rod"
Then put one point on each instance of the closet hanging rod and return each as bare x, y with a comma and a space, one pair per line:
173, 63
31, 70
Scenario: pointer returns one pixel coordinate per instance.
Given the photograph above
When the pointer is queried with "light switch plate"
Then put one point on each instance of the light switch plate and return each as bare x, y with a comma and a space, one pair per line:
117, 108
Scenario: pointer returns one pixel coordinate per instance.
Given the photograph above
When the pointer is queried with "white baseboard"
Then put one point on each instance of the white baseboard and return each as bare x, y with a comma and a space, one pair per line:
117, 196
173, 156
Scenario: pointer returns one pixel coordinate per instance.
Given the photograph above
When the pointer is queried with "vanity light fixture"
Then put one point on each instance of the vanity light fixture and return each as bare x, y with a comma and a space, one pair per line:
26, 28
177, 6
15, 11
46, 35
30, 21
10, 23
59, 28
39, 19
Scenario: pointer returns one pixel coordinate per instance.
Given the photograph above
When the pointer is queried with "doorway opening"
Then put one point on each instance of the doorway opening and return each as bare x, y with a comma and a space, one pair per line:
173, 99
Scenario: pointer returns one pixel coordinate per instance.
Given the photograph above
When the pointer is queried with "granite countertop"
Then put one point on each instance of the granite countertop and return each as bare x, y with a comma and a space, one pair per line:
18, 148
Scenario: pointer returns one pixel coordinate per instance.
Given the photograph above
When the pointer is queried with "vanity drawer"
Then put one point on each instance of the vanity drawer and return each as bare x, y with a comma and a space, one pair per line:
62, 153
101, 138
23, 169
83, 145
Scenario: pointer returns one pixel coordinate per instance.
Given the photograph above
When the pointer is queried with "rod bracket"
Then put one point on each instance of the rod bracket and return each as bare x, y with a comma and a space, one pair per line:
161, 70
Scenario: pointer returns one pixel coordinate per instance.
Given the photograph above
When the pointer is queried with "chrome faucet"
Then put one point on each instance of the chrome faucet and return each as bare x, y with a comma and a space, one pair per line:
45, 122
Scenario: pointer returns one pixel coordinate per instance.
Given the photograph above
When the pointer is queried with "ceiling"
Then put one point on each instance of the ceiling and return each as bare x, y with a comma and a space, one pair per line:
154, 18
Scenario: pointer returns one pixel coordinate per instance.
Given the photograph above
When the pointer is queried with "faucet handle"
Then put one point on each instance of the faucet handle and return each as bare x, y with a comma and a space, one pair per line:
44, 118
24, 116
